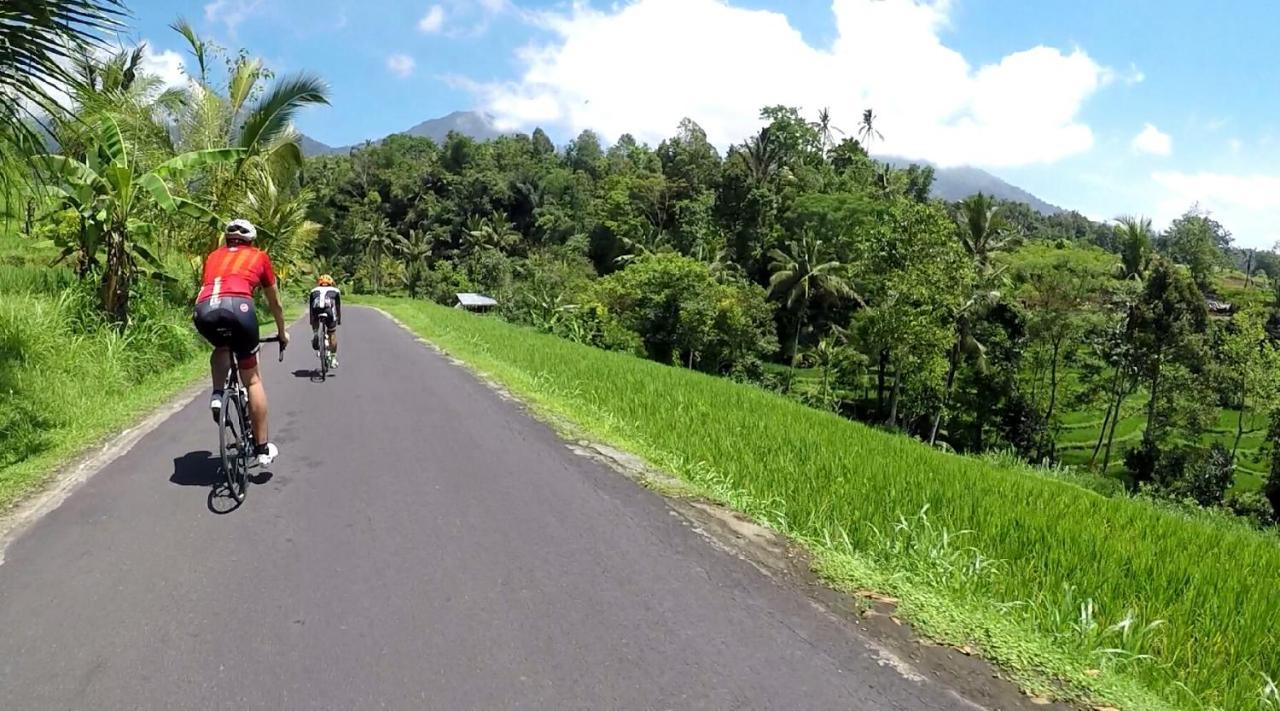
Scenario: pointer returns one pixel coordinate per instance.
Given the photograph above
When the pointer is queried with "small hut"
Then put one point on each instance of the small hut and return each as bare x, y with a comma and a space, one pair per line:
478, 303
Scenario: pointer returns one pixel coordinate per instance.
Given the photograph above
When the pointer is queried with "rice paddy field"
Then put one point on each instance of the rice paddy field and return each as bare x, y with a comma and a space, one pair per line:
1099, 599
1080, 431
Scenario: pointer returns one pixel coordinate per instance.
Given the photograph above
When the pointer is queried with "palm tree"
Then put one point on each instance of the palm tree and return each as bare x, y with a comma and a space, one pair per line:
419, 247
720, 264
763, 156
326, 264
38, 41
867, 131
281, 217
806, 267
200, 49
1134, 235
118, 85
983, 229
652, 242
825, 130
417, 252
832, 357
494, 232
379, 240
966, 344
247, 113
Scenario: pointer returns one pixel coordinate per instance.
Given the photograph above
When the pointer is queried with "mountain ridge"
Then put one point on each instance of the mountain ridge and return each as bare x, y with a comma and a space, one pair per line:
470, 123
959, 182
955, 183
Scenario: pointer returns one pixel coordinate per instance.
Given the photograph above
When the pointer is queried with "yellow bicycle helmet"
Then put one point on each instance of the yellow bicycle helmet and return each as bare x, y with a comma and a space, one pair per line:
324, 280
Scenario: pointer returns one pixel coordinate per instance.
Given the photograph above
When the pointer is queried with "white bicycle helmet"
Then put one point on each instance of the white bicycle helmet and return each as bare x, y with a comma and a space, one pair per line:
241, 230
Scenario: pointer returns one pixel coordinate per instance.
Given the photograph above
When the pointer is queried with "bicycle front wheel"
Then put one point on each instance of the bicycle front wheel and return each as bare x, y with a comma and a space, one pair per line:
233, 441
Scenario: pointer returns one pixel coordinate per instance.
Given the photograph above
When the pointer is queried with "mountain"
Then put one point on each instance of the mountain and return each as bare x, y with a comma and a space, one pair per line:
961, 182
312, 147
469, 123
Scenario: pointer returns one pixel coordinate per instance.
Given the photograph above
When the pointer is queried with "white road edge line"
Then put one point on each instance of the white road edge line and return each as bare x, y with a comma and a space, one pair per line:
70, 476
14, 523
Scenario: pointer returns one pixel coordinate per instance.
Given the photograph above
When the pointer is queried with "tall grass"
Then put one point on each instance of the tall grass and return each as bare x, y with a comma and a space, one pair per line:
1183, 607
66, 378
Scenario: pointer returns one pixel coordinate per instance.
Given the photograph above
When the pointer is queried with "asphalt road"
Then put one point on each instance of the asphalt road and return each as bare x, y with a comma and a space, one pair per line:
420, 544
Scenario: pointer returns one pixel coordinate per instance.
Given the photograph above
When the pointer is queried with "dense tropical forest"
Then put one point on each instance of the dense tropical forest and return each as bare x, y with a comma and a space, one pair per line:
798, 262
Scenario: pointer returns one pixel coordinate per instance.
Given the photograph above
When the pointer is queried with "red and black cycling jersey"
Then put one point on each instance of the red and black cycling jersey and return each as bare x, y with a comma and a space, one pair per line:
235, 270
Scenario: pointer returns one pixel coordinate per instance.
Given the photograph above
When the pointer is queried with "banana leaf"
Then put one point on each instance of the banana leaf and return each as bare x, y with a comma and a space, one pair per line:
187, 162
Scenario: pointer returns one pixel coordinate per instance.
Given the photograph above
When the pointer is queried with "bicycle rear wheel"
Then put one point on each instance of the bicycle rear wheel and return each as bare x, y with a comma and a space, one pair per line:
324, 350
233, 441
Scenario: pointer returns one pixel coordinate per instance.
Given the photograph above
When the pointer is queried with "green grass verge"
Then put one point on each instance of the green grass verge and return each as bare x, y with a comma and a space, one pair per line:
1126, 602
93, 426
69, 385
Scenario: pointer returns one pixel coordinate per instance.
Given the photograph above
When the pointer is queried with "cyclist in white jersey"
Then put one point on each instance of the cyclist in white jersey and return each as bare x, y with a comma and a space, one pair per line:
325, 302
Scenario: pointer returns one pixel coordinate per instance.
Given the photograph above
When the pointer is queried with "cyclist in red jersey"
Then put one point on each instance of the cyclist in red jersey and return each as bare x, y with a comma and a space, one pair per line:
225, 316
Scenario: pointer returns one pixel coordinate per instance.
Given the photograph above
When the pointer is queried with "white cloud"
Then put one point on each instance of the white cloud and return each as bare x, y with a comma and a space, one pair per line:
603, 70
1235, 144
401, 65
1152, 140
166, 65
230, 13
465, 18
1248, 205
433, 21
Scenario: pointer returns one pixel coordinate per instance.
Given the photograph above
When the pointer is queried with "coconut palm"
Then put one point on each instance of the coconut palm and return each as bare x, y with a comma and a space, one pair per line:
867, 131
983, 229
281, 218
833, 358
763, 156
39, 41
379, 241
117, 84
826, 131
247, 113
1135, 237
494, 232
417, 253
805, 267
966, 345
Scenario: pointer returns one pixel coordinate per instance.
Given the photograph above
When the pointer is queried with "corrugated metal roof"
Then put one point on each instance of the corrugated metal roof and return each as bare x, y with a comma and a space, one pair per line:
476, 300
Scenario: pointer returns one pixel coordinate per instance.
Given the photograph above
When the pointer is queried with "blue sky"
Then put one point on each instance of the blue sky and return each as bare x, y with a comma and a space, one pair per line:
1141, 106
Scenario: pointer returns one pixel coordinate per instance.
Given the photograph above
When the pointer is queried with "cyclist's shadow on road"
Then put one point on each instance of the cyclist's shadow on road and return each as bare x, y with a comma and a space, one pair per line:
204, 469
313, 375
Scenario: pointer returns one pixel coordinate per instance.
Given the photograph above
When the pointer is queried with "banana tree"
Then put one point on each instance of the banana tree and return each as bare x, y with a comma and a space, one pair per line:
113, 197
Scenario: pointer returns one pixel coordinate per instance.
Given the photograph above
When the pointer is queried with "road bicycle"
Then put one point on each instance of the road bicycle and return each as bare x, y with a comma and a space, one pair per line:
236, 442
322, 339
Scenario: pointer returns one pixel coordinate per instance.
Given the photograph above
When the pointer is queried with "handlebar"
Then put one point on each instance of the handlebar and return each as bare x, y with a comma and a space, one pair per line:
274, 339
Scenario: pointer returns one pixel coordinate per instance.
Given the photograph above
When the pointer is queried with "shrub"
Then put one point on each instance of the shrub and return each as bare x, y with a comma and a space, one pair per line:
1252, 505
684, 315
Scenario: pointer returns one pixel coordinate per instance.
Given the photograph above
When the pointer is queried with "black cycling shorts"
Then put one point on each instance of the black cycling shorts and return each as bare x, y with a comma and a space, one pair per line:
230, 322
325, 312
